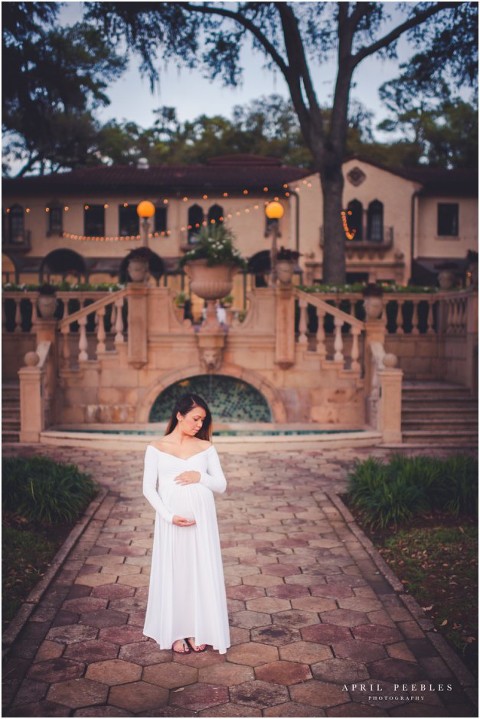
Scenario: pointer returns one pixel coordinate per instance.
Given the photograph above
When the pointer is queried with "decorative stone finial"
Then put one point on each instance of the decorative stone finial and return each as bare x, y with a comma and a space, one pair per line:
31, 359
390, 360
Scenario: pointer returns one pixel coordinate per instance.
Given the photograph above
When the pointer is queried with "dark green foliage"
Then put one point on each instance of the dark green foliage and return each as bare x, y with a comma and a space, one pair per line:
25, 557
389, 494
44, 491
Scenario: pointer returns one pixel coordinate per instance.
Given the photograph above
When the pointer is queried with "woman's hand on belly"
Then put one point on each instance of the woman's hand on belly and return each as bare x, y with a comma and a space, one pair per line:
182, 522
191, 476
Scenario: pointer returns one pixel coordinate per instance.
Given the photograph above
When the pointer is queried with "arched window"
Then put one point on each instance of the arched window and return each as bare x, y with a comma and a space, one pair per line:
375, 221
215, 215
355, 219
195, 220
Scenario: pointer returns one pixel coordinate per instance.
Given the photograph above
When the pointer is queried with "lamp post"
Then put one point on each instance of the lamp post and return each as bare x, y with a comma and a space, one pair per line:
145, 210
274, 211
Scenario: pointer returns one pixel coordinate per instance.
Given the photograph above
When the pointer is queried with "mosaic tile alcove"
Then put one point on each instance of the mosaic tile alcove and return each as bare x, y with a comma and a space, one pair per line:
229, 399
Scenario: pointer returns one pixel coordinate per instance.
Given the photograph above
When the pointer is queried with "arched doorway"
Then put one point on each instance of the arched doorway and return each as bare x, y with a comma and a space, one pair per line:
9, 269
63, 263
230, 399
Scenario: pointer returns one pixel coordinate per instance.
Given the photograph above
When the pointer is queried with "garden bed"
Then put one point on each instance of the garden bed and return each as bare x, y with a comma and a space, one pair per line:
28, 550
41, 502
431, 548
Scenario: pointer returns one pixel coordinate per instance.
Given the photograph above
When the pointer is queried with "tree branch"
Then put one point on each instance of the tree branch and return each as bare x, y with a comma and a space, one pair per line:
245, 23
394, 34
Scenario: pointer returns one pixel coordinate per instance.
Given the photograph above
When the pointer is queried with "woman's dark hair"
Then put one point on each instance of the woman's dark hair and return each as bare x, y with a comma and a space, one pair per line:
184, 404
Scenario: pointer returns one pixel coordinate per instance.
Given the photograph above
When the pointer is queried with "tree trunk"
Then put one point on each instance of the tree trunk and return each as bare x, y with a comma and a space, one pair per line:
334, 266
330, 171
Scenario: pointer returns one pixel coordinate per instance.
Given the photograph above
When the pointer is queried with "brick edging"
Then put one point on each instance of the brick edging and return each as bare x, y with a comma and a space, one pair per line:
16, 625
449, 656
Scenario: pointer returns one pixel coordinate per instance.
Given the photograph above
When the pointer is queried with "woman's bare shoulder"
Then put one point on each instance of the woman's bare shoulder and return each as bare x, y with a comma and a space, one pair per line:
164, 444
159, 444
203, 443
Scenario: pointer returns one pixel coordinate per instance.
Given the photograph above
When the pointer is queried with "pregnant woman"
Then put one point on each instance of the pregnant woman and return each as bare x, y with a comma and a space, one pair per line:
187, 606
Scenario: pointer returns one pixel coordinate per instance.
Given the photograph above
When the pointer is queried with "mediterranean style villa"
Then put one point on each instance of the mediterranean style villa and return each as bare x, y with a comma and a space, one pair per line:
288, 355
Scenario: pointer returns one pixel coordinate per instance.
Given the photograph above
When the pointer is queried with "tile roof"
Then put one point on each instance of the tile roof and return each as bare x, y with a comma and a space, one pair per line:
227, 174
435, 181
438, 182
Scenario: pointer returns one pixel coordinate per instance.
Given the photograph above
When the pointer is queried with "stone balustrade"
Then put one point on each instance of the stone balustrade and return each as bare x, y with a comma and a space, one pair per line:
404, 312
342, 321
113, 301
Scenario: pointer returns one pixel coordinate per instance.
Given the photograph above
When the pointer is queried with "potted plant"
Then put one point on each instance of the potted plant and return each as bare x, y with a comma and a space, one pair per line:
47, 301
138, 262
227, 301
373, 301
180, 299
211, 265
286, 261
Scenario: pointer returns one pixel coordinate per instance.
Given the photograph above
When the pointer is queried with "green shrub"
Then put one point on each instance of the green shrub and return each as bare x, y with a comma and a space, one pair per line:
459, 488
392, 493
45, 491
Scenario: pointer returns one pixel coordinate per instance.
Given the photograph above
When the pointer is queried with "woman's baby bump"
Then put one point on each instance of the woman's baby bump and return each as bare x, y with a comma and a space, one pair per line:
181, 499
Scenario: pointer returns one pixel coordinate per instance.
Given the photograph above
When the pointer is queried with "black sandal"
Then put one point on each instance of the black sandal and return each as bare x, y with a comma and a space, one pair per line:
193, 647
186, 647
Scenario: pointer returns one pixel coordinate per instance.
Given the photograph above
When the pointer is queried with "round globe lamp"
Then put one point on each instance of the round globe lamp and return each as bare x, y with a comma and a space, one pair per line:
145, 210
274, 211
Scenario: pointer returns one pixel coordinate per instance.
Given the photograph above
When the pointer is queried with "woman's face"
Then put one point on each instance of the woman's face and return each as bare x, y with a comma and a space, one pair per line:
192, 422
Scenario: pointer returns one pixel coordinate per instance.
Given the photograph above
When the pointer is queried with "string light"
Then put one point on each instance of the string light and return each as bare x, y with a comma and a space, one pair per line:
349, 234
182, 228
113, 238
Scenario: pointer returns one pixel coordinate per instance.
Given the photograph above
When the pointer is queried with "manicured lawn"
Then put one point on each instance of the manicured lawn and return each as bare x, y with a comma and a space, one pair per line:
27, 553
438, 566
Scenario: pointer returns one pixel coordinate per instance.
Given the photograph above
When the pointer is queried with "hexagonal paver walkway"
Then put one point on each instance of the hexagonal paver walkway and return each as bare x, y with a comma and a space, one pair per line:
319, 626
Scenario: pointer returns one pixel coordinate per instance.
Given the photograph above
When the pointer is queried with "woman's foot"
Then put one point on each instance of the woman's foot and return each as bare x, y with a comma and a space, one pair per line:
195, 647
181, 647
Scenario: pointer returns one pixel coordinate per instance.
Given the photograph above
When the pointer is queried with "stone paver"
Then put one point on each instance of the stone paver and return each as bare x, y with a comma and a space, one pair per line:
316, 628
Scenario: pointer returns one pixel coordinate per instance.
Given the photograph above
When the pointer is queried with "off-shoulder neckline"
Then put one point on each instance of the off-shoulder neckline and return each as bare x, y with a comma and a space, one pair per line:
182, 459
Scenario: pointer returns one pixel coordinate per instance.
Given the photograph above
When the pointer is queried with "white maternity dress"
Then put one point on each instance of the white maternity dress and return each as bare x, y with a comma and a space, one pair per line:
187, 590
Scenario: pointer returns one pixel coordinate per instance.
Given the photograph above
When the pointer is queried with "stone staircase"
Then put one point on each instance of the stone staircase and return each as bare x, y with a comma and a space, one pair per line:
10, 411
439, 413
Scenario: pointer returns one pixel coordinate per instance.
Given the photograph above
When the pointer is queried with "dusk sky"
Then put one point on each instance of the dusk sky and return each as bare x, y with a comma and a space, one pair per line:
192, 95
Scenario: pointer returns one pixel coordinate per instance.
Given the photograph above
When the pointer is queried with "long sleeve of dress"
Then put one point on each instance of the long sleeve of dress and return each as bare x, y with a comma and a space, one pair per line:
150, 477
214, 478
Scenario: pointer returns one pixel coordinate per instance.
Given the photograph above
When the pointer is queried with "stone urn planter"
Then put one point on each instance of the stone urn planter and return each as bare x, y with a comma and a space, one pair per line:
285, 262
285, 270
373, 301
138, 264
211, 283
46, 302
446, 279
137, 269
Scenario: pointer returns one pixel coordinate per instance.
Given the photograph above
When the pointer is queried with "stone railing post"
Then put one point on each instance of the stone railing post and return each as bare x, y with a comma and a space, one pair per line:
375, 331
471, 380
389, 412
46, 331
284, 326
137, 324
32, 415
